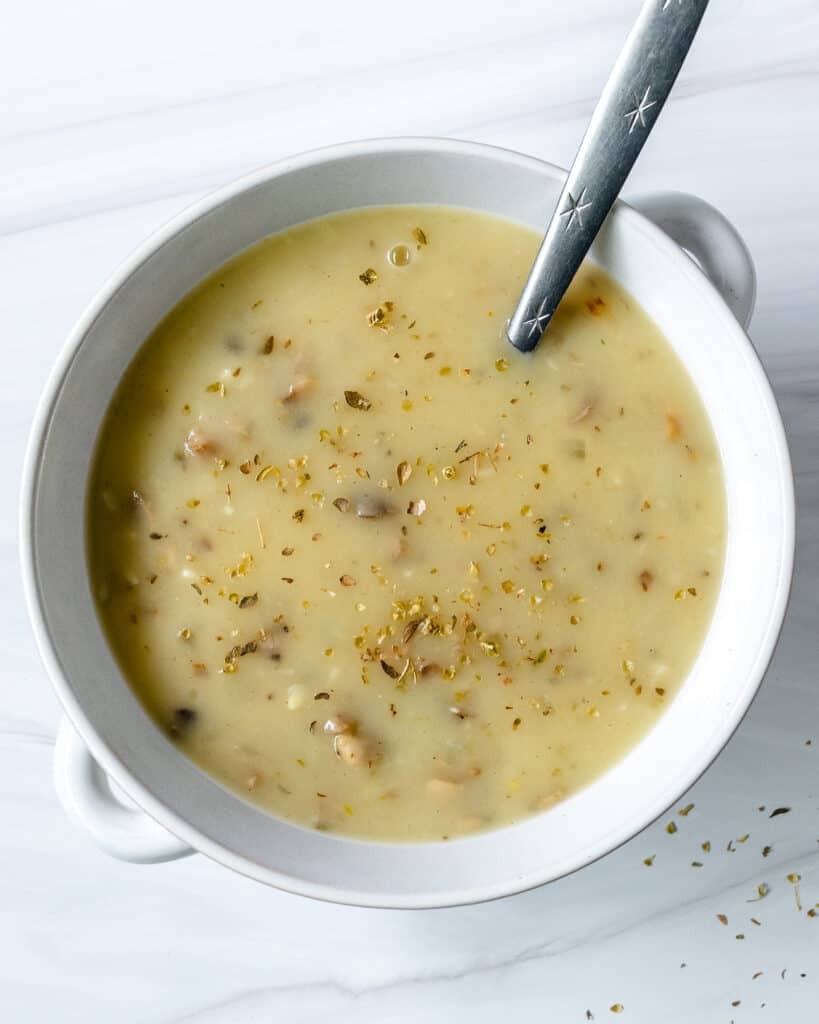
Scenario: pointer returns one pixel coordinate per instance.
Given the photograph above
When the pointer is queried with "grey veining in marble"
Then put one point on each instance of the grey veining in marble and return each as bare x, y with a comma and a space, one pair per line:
109, 123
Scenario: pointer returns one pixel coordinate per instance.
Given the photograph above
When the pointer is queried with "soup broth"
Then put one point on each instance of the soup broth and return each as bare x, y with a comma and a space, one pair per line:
378, 572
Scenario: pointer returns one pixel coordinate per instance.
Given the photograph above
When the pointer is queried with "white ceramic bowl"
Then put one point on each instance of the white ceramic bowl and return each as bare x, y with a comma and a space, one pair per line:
170, 806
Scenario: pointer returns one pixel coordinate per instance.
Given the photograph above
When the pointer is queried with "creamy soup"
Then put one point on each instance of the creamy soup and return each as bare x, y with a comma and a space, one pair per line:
378, 572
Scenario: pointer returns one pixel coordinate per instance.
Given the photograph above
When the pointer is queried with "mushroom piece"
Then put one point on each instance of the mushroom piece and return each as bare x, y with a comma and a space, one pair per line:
181, 721
337, 725
369, 507
237, 425
442, 787
353, 750
298, 389
547, 800
197, 443
582, 412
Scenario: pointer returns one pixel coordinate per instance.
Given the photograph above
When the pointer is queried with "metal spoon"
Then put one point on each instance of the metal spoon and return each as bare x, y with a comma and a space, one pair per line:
625, 114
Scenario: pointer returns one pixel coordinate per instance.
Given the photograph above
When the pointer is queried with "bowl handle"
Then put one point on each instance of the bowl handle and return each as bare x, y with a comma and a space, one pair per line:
86, 795
713, 242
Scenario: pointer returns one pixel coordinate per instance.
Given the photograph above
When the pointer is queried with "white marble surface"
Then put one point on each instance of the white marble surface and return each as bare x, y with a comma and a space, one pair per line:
114, 117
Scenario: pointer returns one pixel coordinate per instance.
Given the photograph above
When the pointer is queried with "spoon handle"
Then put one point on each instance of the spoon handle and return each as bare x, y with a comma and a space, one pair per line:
625, 114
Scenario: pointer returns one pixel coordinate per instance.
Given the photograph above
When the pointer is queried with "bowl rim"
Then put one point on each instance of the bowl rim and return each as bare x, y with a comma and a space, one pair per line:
49, 654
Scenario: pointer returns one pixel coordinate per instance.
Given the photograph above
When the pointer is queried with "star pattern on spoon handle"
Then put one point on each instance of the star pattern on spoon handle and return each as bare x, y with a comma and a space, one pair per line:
574, 209
638, 114
536, 324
